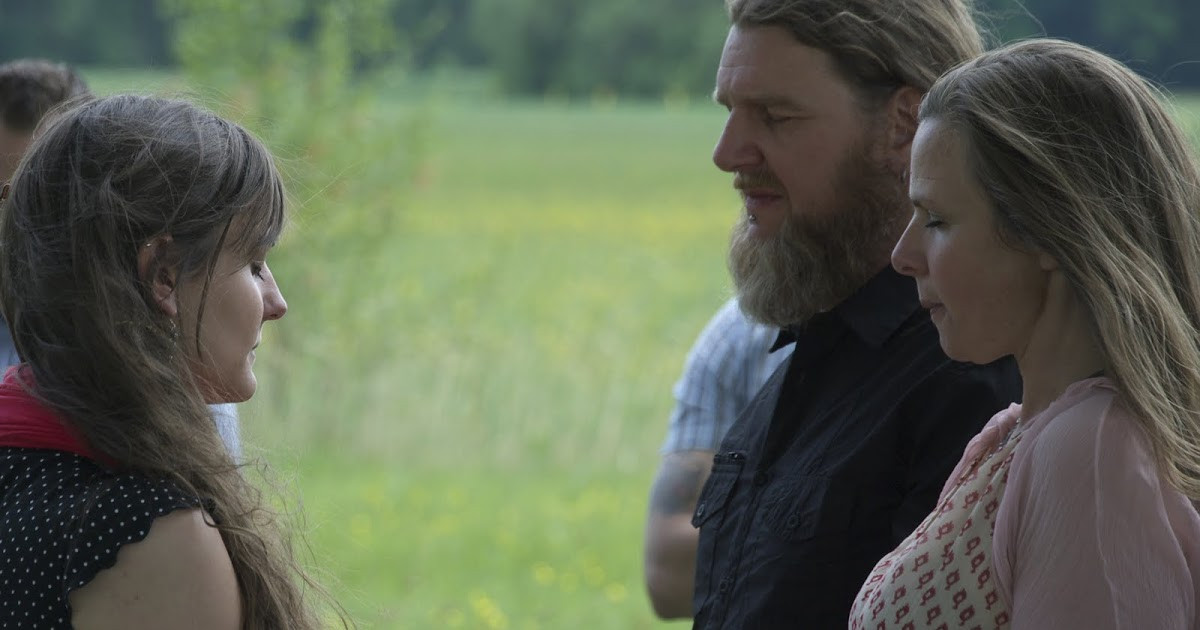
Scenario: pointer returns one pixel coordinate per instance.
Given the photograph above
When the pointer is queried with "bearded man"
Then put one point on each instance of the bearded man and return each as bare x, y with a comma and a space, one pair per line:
847, 446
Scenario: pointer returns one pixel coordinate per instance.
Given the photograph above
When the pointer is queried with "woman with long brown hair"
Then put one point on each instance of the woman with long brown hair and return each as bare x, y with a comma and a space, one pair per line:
133, 272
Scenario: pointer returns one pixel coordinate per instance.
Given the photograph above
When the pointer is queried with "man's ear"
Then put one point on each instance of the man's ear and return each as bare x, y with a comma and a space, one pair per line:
156, 268
901, 112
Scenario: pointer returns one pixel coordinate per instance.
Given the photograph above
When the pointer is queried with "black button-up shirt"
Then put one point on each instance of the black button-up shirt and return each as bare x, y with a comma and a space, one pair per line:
839, 457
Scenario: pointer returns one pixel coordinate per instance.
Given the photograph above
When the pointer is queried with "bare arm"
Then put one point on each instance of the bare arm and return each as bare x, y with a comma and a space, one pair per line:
180, 577
670, 553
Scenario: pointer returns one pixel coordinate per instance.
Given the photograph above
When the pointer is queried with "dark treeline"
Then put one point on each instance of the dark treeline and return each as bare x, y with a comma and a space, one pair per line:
584, 47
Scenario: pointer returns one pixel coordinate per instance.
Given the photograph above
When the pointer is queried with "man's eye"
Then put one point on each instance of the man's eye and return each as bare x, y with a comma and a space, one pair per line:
774, 119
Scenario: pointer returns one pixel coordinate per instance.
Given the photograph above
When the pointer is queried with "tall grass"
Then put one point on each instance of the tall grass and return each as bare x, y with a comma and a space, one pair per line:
474, 442
551, 267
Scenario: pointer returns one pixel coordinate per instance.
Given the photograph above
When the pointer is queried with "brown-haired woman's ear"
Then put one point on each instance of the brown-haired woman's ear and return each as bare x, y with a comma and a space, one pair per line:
158, 270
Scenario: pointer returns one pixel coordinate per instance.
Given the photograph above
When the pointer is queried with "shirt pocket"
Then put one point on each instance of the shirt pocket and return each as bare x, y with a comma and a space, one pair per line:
714, 498
808, 508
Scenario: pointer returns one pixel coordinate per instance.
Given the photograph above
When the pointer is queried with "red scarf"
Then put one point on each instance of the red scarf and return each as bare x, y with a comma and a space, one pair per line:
27, 422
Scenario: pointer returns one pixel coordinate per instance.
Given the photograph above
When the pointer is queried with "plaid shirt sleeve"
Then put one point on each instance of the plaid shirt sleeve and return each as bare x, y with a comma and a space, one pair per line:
725, 368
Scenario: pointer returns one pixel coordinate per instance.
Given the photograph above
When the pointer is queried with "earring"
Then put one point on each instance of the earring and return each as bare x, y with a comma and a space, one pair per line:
174, 331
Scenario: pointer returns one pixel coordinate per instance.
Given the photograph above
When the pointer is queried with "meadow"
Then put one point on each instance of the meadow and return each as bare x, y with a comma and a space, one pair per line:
472, 424
554, 266
548, 267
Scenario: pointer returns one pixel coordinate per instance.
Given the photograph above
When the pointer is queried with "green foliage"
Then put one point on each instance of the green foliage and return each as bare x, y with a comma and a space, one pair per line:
670, 47
628, 47
1151, 36
111, 33
437, 32
572, 48
554, 265
284, 68
550, 270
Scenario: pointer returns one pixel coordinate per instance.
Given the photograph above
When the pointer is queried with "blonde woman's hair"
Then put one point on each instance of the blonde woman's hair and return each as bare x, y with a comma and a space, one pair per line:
876, 45
1081, 160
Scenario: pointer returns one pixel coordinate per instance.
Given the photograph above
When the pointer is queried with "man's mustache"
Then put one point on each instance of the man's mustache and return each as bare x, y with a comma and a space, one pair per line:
749, 180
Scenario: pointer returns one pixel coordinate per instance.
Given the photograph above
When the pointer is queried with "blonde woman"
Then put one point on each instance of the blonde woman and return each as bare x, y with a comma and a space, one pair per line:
1056, 220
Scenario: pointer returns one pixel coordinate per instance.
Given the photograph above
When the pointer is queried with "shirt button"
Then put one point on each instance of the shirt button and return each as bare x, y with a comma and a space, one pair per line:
700, 509
723, 586
760, 478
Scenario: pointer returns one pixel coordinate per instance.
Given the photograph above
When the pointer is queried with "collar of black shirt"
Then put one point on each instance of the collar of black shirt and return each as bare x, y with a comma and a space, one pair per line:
874, 312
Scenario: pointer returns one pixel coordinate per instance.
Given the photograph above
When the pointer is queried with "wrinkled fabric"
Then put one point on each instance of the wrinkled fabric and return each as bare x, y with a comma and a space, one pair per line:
1089, 535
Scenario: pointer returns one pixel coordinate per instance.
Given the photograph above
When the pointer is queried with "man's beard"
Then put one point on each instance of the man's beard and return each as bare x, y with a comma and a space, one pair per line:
820, 257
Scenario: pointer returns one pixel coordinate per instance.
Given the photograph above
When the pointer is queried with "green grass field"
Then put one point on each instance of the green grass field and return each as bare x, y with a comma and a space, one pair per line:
553, 267
472, 423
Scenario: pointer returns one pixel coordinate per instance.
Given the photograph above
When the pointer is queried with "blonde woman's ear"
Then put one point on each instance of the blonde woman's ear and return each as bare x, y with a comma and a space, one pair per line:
156, 269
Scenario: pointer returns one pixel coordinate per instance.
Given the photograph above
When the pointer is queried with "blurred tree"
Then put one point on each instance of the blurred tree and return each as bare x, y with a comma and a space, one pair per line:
669, 47
568, 47
1151, 36
115, 33
580, 48
526, 41
437, 32
301, 73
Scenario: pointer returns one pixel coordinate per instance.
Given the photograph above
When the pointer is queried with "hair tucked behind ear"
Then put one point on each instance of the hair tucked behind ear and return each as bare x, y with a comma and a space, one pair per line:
1082, 162
102, 179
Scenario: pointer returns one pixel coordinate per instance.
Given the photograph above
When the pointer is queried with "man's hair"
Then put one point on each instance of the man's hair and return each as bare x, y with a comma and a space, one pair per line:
1082, 161
876, 45
31, 87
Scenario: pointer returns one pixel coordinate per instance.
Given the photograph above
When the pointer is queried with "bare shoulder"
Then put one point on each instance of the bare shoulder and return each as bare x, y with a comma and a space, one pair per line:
179, 576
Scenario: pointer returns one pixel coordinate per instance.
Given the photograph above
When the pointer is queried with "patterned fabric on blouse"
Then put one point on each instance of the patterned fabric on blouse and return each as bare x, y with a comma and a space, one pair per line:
941, 576
63, 519
1088, 534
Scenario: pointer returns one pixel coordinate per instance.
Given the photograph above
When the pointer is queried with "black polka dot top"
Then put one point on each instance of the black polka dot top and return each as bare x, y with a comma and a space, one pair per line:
63, 519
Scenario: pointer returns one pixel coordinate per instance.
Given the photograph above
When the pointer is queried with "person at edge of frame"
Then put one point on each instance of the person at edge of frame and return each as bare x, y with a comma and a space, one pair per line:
727, 365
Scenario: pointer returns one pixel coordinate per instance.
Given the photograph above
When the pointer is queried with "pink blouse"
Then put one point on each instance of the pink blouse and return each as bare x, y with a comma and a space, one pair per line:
1087, 534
